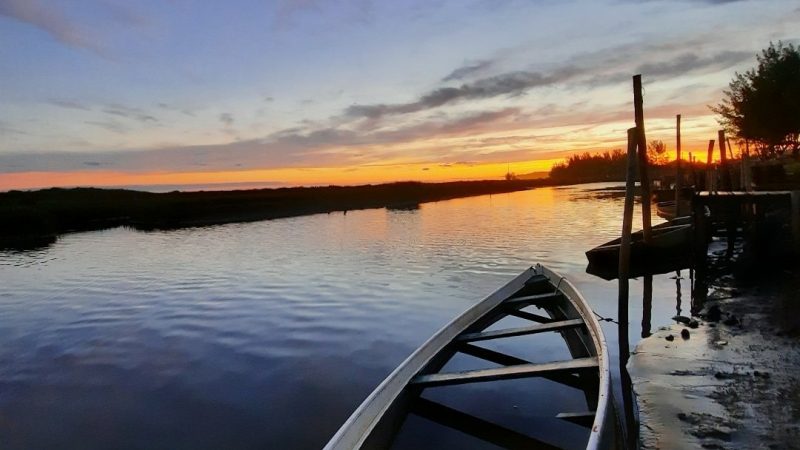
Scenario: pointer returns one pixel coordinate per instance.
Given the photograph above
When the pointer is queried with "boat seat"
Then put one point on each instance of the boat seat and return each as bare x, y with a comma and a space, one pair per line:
521, 331
505, 373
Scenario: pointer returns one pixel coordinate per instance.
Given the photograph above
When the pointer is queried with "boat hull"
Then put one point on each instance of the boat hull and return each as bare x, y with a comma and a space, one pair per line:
670, 249
375, 422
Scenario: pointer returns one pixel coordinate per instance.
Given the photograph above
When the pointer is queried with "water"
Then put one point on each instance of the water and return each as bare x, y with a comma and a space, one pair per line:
268, 334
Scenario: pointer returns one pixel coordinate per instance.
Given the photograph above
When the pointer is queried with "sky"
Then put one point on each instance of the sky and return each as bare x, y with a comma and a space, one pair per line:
315, 92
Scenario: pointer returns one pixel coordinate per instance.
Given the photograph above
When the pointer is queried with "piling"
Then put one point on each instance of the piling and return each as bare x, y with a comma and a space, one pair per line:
678, 167
641, 142
795, 211
709, 173
622, 303
723, 162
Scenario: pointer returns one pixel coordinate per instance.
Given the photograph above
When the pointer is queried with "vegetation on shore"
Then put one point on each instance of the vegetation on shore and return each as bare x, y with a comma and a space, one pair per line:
762, 106
31, 216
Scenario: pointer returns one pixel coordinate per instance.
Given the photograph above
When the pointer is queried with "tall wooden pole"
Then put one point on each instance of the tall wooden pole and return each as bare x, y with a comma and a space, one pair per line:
723, 161
627, 222
678, 167
622, 303
730, 148
710, 152
641, 144
709, 172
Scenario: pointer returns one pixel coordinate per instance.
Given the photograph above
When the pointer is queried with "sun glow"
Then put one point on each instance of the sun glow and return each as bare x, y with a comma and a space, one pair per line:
288, 176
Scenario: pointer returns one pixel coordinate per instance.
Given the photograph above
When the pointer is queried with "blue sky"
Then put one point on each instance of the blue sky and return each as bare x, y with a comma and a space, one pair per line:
190, 86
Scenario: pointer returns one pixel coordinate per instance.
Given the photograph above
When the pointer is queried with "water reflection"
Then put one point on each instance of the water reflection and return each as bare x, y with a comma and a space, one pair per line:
647, 305
268, 334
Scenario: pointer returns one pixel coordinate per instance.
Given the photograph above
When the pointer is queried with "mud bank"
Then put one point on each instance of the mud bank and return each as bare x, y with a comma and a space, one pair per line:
728, 378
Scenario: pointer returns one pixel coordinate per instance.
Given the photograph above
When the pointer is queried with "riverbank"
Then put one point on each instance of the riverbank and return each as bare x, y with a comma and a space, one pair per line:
727, 378
36, 218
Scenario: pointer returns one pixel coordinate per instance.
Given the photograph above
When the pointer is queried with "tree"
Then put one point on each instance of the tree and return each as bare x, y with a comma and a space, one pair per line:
762, 105
657, 152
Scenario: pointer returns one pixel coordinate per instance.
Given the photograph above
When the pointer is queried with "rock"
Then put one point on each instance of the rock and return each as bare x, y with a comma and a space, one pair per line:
720, 342
713, 314
682, 319
693, 324
670, 337
732, 321
685, 333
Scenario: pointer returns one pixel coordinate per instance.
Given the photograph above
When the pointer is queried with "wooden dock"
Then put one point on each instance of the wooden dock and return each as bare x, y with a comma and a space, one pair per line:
758, 216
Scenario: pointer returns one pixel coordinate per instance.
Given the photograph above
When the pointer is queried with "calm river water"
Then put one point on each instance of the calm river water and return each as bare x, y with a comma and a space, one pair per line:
268, 334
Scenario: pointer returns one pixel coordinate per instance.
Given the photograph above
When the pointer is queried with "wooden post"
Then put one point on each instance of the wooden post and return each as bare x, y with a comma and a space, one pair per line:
622, 300
723, 162
748, 174
700, 251
627, 219
647, 306
709, 172
678, 167
730, 148
641, 143
795, 211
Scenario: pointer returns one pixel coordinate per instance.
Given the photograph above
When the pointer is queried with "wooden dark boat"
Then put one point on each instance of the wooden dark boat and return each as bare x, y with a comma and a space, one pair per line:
669, 250
666, 210
375, 423
663, 195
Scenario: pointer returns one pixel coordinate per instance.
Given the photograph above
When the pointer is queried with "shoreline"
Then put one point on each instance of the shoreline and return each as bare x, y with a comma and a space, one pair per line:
36, 218
732, 381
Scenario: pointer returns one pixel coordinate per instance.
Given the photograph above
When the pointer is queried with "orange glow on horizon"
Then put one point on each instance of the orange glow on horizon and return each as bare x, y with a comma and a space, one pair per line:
286, 176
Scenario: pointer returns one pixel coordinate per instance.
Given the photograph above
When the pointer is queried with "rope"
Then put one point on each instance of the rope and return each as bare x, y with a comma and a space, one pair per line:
605, 319
559, 282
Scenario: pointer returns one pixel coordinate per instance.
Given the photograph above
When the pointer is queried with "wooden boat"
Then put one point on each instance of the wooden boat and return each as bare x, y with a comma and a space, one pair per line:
669, 250
375, 423
666, 210
662, 195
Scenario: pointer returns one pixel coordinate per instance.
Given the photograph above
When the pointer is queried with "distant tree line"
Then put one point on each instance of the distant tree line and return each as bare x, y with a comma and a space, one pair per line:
588, 168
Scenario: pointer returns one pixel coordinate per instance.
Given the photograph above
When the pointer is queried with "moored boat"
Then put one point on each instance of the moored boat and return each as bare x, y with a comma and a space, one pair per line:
670, 249
667, 210
375, 423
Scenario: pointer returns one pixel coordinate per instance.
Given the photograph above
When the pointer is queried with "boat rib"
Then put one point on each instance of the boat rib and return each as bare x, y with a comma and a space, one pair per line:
521, 331
504, 373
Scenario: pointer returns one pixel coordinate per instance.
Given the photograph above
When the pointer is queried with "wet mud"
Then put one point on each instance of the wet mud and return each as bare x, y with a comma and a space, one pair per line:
728, 377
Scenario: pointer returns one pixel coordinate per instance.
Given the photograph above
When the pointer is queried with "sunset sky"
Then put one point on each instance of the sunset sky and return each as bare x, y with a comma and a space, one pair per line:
158, 92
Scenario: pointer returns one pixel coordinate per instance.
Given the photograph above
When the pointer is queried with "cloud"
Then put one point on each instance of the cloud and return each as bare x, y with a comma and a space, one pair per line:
69, 104
109, 125
50, 20
351, 10
294, 147
691, 62
226, 119
509, 84
128, 112
468, 70
7, 129
597, 70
